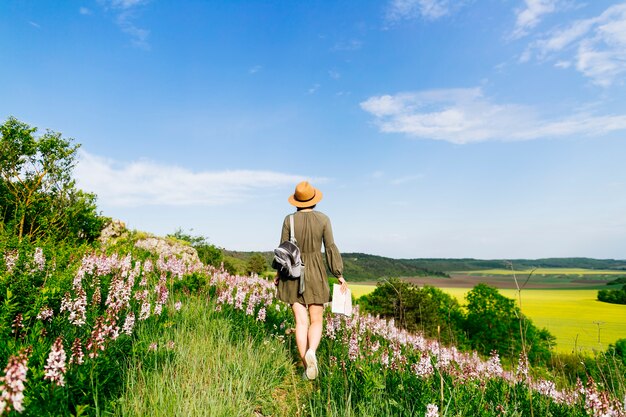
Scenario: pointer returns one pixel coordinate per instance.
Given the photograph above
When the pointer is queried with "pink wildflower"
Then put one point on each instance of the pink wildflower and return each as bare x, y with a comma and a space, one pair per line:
153, 346
178, 305
78, 356
96, 341
12, 383
10, 259
353, 348
18, 324
432, 411
424, 368
145, 311
39, 259
45, 314
261, 314
129, 323
55, 365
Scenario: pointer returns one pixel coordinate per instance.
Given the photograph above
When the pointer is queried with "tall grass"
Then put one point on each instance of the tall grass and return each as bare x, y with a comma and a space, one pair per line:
212, 368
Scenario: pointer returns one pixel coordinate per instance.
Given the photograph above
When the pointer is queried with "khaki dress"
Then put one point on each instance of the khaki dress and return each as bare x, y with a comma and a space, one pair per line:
312, 228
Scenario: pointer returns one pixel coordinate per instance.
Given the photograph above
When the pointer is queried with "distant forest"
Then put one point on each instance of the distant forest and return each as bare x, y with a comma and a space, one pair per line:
469, 264
365, 267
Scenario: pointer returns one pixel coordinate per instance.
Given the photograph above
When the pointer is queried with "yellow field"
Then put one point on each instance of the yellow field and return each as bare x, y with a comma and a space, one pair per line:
546, 271
574, 317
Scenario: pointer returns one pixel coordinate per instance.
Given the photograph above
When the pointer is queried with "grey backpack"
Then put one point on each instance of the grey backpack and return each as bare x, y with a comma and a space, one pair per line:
287, 260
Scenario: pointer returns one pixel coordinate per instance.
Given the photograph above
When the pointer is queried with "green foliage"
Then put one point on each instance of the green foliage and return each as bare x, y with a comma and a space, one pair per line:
364, 267
493, 322
428, 309
613, 296
256, 264
209, 254
38, 197
618, 349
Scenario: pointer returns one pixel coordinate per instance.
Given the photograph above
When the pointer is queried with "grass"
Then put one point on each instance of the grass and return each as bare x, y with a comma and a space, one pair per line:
213, 369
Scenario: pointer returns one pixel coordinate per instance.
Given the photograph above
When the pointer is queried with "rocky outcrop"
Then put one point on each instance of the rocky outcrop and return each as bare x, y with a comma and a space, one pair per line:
116, 230
113, 230
169, 247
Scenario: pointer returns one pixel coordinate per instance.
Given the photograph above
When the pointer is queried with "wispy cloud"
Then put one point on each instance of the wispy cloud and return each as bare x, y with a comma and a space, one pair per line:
350, 45
465, 116
314, 89
144, 182
126, 11
530, 16
407, 179
335, 75
254, 69
84, 11
411, 9
596, 45
34, 24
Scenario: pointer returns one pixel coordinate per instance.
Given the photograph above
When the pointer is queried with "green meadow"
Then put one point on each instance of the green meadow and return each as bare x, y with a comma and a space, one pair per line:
577, 320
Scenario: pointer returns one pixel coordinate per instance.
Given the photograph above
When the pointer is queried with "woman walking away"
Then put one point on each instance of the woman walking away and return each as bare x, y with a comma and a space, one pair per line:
312, 229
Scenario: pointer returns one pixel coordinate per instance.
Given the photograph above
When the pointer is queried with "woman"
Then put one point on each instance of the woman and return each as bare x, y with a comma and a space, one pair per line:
312, 229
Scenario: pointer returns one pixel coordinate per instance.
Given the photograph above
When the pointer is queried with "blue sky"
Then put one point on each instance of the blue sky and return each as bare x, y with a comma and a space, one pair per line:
435, 128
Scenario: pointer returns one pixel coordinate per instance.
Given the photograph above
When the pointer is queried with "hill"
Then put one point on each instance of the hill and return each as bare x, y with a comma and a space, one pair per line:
365, 267
470, 264
357, 266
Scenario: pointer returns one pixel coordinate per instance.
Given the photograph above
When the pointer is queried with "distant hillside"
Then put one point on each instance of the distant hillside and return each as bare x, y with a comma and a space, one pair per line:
365, 267
469, 264
357, 266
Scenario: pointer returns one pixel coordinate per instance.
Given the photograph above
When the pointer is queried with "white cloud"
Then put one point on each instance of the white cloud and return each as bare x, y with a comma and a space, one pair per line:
465, 116
335, 75
596, 45
254, 69
34, 24
411, 9
84, 11
125, 4
529, 17
144, 182
314, 89
126, 11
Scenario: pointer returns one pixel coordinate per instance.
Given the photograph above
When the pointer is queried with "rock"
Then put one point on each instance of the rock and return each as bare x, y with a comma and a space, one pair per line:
168, 248
113, 230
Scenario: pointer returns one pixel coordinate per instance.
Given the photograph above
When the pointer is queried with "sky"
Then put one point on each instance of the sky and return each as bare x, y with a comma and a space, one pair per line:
491, 129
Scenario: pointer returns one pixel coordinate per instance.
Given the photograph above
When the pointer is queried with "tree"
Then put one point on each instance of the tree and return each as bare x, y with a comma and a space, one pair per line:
39, 196
428, 309
494, 322
209, 254
256, 264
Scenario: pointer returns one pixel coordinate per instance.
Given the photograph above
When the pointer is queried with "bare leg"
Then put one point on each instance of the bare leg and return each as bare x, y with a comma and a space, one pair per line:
316, 312
302, 328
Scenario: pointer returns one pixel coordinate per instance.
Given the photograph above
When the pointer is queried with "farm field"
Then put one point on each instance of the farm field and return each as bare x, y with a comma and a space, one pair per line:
547, 271
573, 316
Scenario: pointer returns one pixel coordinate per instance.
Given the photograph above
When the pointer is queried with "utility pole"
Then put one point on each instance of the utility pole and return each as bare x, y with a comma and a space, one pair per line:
598, 323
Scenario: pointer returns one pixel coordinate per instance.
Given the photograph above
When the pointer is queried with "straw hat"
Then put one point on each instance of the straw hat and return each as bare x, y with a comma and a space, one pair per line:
305, 196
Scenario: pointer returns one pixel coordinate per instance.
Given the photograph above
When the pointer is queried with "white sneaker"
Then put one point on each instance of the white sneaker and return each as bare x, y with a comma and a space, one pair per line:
311, 364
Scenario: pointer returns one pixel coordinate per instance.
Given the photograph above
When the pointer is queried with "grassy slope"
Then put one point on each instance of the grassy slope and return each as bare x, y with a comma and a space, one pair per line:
214, 369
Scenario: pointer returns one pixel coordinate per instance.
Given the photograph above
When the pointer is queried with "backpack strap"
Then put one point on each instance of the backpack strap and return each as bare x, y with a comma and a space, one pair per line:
292, 234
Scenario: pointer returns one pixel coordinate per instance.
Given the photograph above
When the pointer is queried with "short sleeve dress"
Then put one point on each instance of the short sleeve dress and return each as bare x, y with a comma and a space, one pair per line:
312, 229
